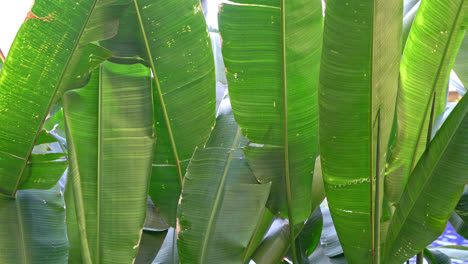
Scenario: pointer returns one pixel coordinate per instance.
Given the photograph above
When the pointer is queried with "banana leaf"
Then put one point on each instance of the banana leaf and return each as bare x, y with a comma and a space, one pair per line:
459, 217
178, 50
436, 257
219, 191
454, 252
110, 139
168, 252
428, 58
32, 228
51, 53
272, 62
433, 189
151, 242
357, 93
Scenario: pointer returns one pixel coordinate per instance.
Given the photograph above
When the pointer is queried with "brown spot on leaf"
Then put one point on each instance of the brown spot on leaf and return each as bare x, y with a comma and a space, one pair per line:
33, 16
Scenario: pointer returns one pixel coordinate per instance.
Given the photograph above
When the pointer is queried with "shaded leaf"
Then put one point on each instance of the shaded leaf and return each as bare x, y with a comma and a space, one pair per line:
110, 153
32, 227
220, 195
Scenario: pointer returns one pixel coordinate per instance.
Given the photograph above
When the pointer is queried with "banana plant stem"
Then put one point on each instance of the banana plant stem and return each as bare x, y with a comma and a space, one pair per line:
419, 258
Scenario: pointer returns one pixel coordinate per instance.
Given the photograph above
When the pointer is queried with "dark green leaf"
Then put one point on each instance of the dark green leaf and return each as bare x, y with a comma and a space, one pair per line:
150, 243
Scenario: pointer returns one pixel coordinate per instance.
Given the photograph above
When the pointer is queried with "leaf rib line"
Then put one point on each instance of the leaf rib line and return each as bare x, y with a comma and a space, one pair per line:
436, 79
160, 95
218, 197
62, 76
285, 131
433, 166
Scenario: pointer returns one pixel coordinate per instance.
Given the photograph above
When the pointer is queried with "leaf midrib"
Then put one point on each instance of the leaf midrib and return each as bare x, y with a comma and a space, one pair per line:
434, 165
434, 84
218, 199
160, 94
59, 83
285, 130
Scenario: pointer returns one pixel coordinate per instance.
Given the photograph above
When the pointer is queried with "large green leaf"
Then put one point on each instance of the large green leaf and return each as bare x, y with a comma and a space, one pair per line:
432, 191
51, 53
177, 47
221, 202
272, 62
32, 228
357, 92
110, 139
428, 58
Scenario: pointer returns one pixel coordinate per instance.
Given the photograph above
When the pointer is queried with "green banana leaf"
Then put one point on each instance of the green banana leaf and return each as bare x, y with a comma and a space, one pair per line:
168, 252
436, 257
263, 225
219, 191
32, 228
50, 54
309, 238
153, 220
329, 241
428, 58
267, 50
47, 158
177, 47
318, 257
275, 243
154, 234
461, 62
454, 252
151, 242
433, 189
357, 93
459, 217
110, 139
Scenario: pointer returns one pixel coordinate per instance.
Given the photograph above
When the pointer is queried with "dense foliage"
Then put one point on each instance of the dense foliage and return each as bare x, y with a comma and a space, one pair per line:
131, 132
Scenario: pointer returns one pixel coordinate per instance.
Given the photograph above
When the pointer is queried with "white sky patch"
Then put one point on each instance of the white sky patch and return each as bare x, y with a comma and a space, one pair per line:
13, 14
